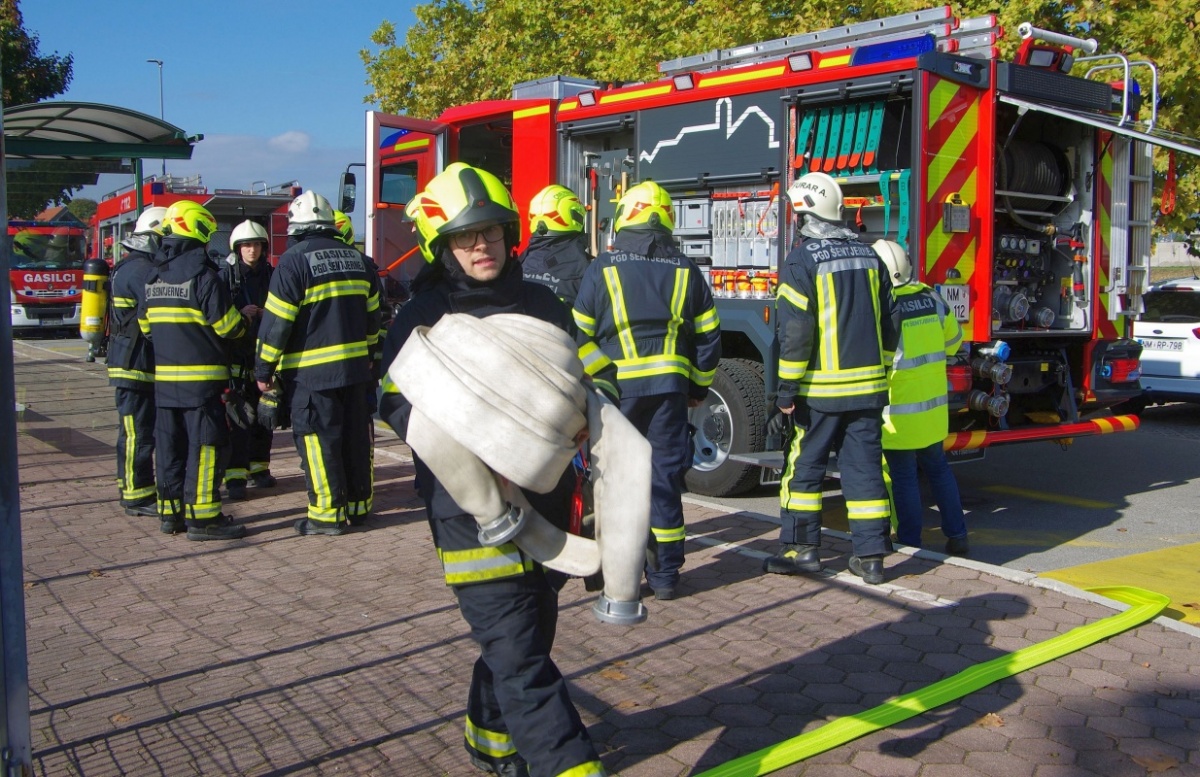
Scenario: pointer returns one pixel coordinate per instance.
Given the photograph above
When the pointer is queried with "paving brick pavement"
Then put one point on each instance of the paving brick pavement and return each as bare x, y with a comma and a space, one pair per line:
286, 655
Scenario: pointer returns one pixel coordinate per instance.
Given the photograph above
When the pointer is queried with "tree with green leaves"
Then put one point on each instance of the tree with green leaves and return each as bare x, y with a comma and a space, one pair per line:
461, 51
83, 208
29, 77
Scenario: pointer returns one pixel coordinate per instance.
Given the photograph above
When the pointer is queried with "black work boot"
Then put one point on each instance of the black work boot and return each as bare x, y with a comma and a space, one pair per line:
305, 526
146, 507
223, 528
514, 768
793, 560
869, 568
172, 524
236, 490
261, 480
956, 546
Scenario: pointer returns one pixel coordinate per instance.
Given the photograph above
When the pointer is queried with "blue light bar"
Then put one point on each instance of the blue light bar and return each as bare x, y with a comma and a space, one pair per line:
898, 49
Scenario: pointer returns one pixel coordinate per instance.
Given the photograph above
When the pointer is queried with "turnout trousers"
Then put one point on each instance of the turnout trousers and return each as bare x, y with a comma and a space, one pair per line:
332, 429
192, 451
518, 707
249, 449
663, 421
135, 445
857, 436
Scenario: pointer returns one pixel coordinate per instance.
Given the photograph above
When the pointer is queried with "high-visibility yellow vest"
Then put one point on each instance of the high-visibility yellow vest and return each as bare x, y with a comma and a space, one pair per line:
917, 415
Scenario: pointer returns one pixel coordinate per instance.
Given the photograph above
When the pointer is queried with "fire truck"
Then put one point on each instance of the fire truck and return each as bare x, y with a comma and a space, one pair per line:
1022, 190
46, 274
117, 211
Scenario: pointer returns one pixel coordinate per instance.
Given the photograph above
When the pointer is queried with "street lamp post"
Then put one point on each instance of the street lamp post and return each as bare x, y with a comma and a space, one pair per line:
161, 115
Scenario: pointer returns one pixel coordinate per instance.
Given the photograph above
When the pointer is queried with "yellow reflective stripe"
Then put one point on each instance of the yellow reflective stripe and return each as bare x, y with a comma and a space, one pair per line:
669, 535
475, 564
388, 385
228, 322
589, 769
497, 744
170, 507
326, 355
139, 493
845, 376
790, 370
124, 302
281, 308
190, 372
373, 302
586, 323
677, 297
332, 289
235, 473
205, 511
144, 325
870, 509
593, 358
707, 321
645, 366
827, 302
127, 476
138, 375
318, 478
841, 390
175, 316
803, 503
703, 377
620, 317
268, 352
606, 387
794, 297
206, 478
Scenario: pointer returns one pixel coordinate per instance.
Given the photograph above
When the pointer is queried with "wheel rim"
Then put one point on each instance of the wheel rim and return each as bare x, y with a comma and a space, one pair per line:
714, 433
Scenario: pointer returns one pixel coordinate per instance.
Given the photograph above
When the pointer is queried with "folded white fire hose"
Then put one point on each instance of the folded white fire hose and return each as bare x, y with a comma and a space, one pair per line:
497, 405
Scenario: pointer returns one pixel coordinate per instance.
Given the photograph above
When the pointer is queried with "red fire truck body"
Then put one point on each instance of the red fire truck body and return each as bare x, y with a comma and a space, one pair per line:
117, 212
46, 274
1022, 192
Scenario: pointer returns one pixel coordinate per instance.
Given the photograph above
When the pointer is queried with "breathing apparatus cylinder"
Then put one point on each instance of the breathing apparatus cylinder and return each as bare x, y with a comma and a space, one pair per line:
94, 307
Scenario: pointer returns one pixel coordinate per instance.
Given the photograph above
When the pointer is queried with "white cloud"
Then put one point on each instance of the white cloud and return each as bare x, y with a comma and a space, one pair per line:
291, 142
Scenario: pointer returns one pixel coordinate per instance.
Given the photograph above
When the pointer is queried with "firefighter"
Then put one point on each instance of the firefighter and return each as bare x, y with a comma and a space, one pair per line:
316, 337
247, 274
131, 367
834, 311
188, 314
917, 419
519, 713
650, 310
557, 254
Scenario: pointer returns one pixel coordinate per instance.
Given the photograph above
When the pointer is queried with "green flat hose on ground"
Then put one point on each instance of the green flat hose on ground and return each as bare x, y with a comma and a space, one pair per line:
1143, 606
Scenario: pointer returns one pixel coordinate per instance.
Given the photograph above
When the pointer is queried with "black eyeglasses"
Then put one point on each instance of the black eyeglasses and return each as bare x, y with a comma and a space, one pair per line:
490, 234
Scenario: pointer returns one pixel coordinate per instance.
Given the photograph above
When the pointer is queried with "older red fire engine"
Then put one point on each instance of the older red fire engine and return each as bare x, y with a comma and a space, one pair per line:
1022, 190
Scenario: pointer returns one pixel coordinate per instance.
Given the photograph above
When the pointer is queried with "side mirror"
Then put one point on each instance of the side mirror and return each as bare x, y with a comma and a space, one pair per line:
347, 192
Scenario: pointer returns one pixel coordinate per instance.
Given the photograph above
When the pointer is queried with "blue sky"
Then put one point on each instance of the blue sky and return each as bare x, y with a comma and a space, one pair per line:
275, 88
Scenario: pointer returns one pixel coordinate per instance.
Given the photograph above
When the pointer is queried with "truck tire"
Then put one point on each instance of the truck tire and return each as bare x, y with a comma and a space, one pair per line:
731, 420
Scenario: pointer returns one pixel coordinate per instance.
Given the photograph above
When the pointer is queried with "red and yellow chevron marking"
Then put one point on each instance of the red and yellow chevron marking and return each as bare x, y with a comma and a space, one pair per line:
951, 158
961, 441
1105, 329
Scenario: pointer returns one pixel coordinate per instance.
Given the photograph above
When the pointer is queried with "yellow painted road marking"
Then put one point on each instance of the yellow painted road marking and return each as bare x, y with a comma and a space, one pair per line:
1173, 572
1046, 496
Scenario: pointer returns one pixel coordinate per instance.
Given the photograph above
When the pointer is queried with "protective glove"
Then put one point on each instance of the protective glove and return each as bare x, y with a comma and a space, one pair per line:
241, 413
272, 414
779, 430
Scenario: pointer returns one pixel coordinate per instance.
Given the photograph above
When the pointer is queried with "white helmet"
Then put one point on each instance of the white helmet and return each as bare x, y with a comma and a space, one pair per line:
147, 230
247, 232
818, 194
896, 259
310, 211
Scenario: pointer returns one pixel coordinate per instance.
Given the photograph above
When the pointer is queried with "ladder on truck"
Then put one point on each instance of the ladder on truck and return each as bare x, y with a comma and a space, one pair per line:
970, 37
1133, 172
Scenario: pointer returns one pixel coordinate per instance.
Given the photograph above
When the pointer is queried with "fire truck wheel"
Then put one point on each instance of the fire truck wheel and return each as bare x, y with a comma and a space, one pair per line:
731, 420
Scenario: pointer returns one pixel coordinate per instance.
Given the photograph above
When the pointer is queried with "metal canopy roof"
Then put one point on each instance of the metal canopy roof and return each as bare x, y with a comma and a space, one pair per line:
71, 130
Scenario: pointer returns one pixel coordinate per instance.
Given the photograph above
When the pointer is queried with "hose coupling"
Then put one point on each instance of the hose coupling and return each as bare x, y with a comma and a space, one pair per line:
502, 528
619, 613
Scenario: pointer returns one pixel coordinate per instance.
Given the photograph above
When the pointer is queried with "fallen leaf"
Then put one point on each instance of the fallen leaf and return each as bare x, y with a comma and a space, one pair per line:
31, 585
1122, 529
613, 674
1193, 605
1146, 665
628, 704
95, 573
991, 720
1155, 763
118, 719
